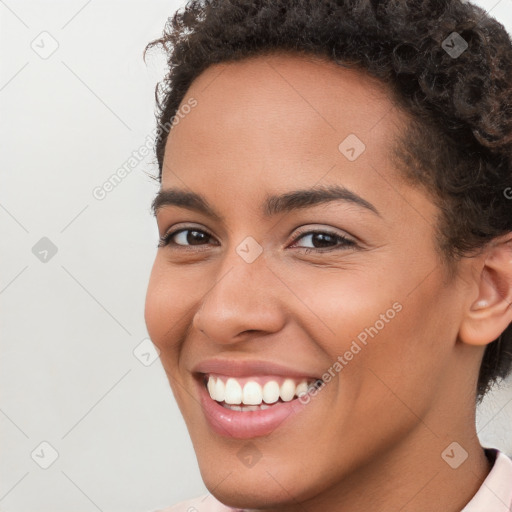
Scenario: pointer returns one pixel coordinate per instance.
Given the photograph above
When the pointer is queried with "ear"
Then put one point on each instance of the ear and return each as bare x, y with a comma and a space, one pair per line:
491, 313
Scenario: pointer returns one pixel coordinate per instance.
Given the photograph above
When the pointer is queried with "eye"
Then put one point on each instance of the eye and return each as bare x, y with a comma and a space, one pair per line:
322, 241
184, 237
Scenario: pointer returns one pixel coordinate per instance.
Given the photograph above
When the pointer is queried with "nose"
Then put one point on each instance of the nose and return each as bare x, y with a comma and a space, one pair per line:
243, 298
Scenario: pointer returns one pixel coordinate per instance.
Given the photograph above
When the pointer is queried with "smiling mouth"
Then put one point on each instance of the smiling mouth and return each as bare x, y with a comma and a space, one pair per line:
257, 393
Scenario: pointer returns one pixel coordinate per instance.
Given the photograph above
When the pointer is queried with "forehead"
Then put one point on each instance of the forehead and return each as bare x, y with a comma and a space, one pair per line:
289, 74
287, 93
267, 121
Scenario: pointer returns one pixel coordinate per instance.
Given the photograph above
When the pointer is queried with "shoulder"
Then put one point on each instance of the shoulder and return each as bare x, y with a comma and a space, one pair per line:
205, 503
496, 491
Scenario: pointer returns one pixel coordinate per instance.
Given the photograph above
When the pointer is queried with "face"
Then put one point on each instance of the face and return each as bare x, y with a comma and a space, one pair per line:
308, 258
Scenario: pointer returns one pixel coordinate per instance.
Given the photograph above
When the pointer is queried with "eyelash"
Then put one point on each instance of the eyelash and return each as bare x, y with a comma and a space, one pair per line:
345, 242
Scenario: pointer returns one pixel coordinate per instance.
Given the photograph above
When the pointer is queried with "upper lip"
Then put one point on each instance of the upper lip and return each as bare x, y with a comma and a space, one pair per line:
248, 368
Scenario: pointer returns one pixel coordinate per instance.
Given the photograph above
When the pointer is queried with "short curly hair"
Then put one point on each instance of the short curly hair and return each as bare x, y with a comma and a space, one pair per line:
458, 143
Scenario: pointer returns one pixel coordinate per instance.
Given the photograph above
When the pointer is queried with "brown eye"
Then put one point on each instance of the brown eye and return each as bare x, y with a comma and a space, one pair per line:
185, 237
324, 240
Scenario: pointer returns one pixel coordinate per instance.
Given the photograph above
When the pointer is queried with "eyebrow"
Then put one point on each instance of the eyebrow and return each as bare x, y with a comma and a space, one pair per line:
273, 205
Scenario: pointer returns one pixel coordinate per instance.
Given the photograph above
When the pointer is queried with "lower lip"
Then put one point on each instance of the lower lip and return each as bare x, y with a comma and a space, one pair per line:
248, 424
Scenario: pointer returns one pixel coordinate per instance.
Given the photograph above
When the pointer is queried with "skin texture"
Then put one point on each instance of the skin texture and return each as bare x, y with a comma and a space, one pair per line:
372, 438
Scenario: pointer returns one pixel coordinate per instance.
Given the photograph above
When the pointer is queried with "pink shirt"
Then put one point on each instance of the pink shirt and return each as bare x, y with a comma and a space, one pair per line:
494, 495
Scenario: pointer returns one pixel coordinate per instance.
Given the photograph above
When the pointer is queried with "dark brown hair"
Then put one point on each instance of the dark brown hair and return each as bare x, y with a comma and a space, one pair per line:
448, 65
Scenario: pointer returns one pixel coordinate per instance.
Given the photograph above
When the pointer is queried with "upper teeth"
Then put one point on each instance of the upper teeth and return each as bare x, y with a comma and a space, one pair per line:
231, 391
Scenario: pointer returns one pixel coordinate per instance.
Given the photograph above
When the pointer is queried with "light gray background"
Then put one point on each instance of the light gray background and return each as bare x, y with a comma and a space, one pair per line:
69, 326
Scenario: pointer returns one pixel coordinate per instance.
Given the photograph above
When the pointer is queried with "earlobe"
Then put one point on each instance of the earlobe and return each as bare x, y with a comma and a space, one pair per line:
491, 313
480, 304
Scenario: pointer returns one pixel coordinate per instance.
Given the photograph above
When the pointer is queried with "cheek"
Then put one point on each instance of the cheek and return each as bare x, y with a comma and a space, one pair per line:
164, 307
165, 316
345, 305
377, 325
406, 351
354, 322
153, 310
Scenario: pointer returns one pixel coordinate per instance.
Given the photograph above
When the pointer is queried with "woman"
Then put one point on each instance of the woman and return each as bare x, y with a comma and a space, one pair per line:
332, 290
